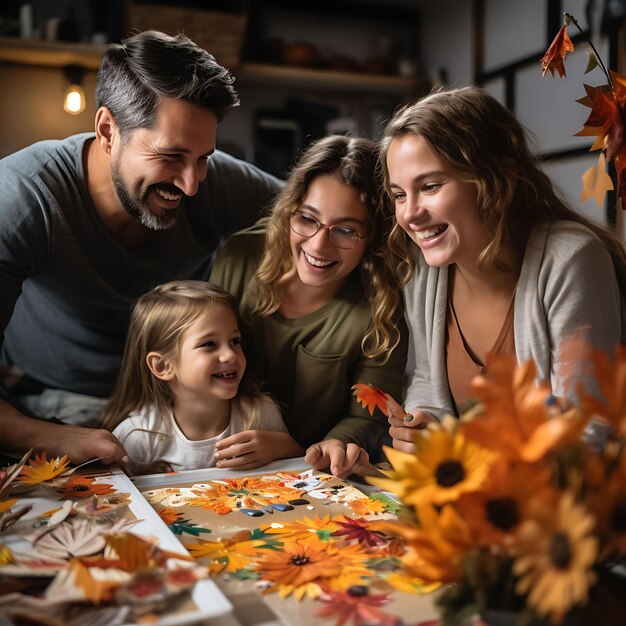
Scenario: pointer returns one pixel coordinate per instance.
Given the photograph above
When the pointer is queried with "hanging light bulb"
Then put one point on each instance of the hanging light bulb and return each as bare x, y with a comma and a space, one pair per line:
74, 99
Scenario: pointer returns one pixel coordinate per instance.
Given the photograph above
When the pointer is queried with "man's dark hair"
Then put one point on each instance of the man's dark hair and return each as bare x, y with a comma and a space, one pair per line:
151, 65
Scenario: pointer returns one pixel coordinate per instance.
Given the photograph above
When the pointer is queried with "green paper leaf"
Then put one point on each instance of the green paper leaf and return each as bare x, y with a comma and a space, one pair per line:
391, 506
246, 574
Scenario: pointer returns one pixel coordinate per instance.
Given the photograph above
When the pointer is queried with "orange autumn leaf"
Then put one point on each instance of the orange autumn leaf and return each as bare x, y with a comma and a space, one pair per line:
367, 507
606, 123
135, 552
39, 470
370, 397
95, 590
596, 182
555, 56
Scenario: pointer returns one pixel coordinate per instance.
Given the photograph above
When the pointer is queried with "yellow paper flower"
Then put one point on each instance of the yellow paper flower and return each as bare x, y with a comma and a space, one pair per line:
236, 552
313, 562
444, 466
555, 557
40, 470
305, 529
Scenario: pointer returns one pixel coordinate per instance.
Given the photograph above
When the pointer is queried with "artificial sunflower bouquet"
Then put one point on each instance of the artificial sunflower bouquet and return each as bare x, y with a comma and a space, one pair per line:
513, 509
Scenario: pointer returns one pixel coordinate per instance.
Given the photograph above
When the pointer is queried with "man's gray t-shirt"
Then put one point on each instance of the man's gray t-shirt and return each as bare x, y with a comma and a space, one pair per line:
67, 286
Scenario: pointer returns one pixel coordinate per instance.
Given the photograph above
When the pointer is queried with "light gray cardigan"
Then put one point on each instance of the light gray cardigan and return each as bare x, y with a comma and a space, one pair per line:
567, 285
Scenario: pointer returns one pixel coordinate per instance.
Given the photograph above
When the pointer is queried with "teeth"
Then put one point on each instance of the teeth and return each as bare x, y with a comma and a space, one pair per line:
166, 195
227, 375
316, 262
429, 234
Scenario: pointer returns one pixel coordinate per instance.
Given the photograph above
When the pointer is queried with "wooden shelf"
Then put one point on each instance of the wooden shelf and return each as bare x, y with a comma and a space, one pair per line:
286, 76
88, 56
50, 53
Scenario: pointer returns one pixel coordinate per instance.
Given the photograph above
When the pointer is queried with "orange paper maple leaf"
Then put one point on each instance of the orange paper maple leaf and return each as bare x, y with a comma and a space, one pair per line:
554, 57
372, 398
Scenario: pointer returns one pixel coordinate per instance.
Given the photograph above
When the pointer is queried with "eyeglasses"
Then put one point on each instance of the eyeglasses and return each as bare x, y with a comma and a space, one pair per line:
341, 236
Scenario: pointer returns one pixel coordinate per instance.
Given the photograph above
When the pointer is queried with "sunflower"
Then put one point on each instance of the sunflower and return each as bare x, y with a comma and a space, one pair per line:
520, 411
39, 470
443, 466
300, 565
494, 512
84, 487
555, 554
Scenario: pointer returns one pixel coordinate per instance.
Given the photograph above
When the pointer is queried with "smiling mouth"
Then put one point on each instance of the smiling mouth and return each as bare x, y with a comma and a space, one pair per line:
317, 262
170, 196
226, 375
425, 235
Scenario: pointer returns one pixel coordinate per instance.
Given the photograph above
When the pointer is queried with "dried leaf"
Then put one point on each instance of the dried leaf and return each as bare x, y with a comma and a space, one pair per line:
592, 61
555, 56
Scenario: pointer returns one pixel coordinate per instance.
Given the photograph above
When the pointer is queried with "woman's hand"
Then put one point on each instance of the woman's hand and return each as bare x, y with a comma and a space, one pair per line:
402, 429
342, 458
255, 448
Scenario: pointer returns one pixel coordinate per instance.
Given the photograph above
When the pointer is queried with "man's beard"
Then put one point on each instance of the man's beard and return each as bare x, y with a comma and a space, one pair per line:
137, 207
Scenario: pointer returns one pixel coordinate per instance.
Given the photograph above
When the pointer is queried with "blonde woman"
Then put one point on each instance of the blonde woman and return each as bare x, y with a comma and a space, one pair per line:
321, 302
491, 258
182, 388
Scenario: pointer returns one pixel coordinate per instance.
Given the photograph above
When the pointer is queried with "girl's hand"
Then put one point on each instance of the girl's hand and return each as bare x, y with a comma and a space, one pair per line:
255, 448
402, 429
342, 458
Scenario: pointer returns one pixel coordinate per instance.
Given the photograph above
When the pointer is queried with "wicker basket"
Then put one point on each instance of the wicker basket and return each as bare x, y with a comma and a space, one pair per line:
220, 33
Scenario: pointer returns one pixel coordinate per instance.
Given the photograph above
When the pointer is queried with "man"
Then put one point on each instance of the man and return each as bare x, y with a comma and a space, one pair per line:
89, 223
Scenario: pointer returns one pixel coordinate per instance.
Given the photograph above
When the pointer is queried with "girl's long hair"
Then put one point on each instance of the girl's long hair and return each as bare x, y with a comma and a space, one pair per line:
354, 162
157, 324
482, 142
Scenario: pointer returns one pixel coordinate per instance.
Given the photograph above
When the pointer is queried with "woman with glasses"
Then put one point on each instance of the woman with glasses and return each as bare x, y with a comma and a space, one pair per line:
322, 306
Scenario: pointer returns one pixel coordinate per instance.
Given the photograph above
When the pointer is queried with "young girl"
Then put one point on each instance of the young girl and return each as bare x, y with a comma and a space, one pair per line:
322, 303
491, 258
182, 387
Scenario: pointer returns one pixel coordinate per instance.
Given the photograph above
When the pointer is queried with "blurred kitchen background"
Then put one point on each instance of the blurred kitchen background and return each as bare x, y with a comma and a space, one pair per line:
304, 69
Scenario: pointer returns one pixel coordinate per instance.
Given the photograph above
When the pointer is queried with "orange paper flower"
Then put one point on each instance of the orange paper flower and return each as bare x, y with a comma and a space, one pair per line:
84, 487
40, 470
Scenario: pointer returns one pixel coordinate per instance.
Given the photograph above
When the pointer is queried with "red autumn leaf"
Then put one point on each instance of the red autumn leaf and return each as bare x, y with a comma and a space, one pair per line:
554, 57
358, 529
356, 606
